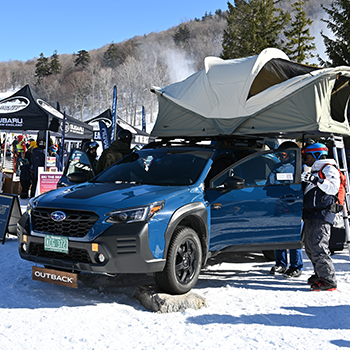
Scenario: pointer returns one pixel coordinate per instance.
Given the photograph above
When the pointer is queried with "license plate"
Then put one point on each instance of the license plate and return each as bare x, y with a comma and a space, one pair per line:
56, 244
61, 278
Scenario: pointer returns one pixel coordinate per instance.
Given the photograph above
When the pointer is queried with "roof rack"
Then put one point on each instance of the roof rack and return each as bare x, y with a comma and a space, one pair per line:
220, 141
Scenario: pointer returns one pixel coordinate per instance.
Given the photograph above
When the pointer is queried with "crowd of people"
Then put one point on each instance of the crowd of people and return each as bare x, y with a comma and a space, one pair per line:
29, 155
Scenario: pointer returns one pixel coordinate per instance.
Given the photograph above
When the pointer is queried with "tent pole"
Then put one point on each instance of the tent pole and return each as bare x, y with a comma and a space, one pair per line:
4, 153
46, 148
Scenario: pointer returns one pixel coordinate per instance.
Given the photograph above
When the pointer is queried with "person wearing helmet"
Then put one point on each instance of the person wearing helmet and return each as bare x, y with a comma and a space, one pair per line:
116, 151
90, 148
286, 167
319, 195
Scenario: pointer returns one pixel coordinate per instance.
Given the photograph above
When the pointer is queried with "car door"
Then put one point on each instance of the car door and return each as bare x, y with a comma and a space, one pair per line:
78, 169
266, 212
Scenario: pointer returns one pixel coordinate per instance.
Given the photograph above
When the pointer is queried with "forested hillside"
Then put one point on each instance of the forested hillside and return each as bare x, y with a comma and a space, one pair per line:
83, 83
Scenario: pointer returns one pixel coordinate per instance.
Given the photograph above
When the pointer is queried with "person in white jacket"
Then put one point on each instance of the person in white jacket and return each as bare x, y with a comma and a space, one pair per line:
320, 194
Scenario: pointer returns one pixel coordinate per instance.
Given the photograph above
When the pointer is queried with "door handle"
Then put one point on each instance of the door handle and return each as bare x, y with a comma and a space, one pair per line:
289, 198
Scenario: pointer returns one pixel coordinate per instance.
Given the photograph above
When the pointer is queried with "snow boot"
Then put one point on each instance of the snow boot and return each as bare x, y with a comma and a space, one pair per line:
322, 285
314, 278
278, 269
292, 272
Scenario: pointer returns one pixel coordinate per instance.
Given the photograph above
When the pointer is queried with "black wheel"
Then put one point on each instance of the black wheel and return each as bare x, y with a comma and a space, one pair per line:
269, 255
184, 261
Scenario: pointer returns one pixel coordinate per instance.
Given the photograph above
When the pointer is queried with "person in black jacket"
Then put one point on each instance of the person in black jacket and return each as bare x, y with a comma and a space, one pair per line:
116, 151
37, 159
24, 177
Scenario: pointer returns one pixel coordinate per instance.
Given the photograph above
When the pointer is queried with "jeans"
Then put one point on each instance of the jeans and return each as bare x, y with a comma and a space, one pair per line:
295, 255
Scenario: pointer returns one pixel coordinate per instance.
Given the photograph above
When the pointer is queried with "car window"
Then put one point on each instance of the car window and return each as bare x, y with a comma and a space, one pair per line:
158, 167
263, 169
79, 162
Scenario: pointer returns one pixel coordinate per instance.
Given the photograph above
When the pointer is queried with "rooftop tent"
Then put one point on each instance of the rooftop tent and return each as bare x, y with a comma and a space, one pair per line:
25, 110
263, 94
139, 136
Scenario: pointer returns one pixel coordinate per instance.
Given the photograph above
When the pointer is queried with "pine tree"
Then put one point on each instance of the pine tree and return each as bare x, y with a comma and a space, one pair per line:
55, 65
299, 42
82, 58
182, 35
337, 50
110, 57
252, 26
42, 68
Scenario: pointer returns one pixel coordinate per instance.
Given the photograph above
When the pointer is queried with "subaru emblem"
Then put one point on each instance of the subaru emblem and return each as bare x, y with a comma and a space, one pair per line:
58, 216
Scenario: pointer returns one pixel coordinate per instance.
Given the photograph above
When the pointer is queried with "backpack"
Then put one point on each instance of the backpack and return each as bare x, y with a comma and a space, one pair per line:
342, 188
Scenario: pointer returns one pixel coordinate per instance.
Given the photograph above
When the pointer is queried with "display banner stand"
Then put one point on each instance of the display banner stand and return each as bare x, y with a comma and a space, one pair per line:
47, 180
10, 213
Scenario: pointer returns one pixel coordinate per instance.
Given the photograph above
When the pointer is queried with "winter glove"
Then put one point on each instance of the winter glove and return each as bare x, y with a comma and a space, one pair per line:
308, 177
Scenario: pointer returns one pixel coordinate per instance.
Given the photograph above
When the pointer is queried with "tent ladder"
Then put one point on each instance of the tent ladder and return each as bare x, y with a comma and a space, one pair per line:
338, 145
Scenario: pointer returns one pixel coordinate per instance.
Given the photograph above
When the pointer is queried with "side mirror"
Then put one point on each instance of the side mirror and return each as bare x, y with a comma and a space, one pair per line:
233, 183
77, 178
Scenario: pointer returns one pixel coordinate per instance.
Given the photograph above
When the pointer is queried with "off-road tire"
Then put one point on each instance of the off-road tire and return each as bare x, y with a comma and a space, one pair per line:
183, 265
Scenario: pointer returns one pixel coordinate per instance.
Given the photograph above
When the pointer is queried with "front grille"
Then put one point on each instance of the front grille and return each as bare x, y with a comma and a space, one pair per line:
76, 224
74, 254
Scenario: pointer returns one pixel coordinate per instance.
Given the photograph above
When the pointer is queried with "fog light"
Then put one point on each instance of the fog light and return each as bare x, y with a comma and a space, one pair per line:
24, 247
101, 258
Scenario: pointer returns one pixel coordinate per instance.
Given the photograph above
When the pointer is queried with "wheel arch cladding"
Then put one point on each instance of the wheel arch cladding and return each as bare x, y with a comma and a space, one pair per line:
192, 215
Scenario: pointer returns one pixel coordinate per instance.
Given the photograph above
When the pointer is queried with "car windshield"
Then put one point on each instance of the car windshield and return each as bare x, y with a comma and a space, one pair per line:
158, 167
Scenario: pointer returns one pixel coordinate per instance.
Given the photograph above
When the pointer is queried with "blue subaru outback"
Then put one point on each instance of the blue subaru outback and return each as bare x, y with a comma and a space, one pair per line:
165, 210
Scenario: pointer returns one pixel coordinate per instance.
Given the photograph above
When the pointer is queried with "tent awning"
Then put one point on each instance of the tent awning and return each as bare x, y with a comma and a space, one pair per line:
139, 136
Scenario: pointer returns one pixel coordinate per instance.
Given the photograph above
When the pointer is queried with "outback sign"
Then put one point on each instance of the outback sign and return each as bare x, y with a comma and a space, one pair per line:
60, 278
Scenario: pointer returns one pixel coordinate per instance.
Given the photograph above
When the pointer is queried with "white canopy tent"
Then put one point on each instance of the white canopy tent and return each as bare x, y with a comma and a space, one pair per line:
265, 94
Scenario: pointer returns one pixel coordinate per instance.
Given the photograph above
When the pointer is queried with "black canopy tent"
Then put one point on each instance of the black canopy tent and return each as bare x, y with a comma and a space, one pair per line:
139, 137
76, 129
25, 110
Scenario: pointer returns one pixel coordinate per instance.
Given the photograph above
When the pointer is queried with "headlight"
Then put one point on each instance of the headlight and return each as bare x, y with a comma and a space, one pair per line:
142, 213
31, 205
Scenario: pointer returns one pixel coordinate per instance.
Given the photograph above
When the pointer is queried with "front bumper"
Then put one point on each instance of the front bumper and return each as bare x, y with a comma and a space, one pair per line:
125, 247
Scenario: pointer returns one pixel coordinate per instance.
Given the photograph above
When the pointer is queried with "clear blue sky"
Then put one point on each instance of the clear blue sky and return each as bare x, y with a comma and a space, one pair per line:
29, 28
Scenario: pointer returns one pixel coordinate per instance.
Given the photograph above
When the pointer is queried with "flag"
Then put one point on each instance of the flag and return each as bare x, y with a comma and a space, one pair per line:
143, 119
114, 108
62, 140
104, 135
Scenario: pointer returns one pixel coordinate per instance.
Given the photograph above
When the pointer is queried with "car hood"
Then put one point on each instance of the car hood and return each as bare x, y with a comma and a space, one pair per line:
108, 195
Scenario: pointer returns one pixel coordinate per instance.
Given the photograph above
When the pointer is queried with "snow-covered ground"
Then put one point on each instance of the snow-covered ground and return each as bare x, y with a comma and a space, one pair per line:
248, 309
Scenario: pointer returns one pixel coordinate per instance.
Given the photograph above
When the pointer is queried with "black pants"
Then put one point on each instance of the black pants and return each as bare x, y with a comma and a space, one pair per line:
25, 188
